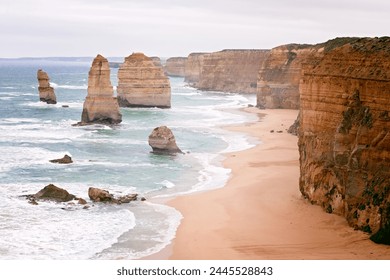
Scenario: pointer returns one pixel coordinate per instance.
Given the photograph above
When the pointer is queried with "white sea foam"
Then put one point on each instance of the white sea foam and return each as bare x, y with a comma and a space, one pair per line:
155, 228
238, 142
32, 131
54, 85
23, 157
167, 184
52, 232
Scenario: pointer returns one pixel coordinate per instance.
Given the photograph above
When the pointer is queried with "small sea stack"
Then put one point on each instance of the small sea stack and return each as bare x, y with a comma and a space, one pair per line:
142, 83
163, 141
100, 105
46, 92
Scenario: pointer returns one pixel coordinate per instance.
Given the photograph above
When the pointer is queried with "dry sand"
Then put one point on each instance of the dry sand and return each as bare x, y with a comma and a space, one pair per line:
260, 213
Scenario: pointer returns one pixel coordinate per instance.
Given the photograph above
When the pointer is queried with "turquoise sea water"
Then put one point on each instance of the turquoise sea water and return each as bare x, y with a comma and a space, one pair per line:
114, 158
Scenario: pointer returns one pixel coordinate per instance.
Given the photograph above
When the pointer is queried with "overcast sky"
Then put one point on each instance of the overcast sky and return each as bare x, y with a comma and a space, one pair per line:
176, 28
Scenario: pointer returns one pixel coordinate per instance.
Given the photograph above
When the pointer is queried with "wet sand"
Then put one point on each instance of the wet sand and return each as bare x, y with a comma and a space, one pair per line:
260, 213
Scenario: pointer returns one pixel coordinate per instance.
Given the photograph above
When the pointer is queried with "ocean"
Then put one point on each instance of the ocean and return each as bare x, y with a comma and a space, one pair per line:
116, 158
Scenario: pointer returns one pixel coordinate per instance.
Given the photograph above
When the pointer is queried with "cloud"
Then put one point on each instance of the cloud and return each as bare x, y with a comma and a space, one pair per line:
175, 27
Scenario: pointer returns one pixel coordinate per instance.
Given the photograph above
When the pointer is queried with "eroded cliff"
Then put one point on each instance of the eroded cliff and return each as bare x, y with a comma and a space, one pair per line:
100, 105
142, 83
278, 79
193, 68
344, 135
231, 70
46, 92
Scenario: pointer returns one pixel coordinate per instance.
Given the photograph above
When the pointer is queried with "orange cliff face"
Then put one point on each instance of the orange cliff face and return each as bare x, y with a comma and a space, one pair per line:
142, 83
46, 92
193, 68
278, 79
344, 135
100, 105
231, 70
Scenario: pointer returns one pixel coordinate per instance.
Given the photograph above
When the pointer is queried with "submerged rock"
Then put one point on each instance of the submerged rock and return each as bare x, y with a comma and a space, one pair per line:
46, 92
163, 141
100, 195
65, 160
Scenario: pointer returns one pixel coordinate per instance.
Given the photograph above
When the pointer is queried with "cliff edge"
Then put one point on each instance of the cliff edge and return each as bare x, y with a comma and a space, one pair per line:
231, 70
344, 134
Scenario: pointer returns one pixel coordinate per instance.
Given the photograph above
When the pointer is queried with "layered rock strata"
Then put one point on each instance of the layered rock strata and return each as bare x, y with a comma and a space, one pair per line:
231, 70
46, 92
156, 60
278, 78
344, 134
100, 195
193, 68
142, 84
100, 105
163, 141
175, 66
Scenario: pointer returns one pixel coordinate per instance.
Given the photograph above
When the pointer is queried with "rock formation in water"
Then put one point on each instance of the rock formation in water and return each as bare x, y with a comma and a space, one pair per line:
163, 141
175, 66
100, 195
231, 70
142, 84
193, 68
100, 105
54, 193
344, 134
64, 160
46, 92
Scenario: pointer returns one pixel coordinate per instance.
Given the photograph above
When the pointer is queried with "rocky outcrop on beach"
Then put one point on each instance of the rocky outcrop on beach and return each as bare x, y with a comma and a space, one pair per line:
142, 84
46, 92
100, 195
175, 66
231, 70
193, 68
100, 105
64, 160
344, 134
163, 141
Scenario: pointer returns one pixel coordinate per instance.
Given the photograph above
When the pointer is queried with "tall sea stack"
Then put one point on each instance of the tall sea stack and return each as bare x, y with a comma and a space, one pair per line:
142, 83
46, 92
100, 106
344, 135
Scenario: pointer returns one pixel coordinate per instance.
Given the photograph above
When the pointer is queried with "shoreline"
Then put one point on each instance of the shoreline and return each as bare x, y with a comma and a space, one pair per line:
260, 213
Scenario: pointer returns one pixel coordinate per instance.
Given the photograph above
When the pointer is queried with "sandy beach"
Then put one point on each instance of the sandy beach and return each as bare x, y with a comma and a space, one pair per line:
260, 213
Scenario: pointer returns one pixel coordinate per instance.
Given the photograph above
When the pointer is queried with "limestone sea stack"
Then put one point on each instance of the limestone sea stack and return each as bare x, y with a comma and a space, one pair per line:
142, 83
175, 66
344, 134
163, 141
100, 105
46, 92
